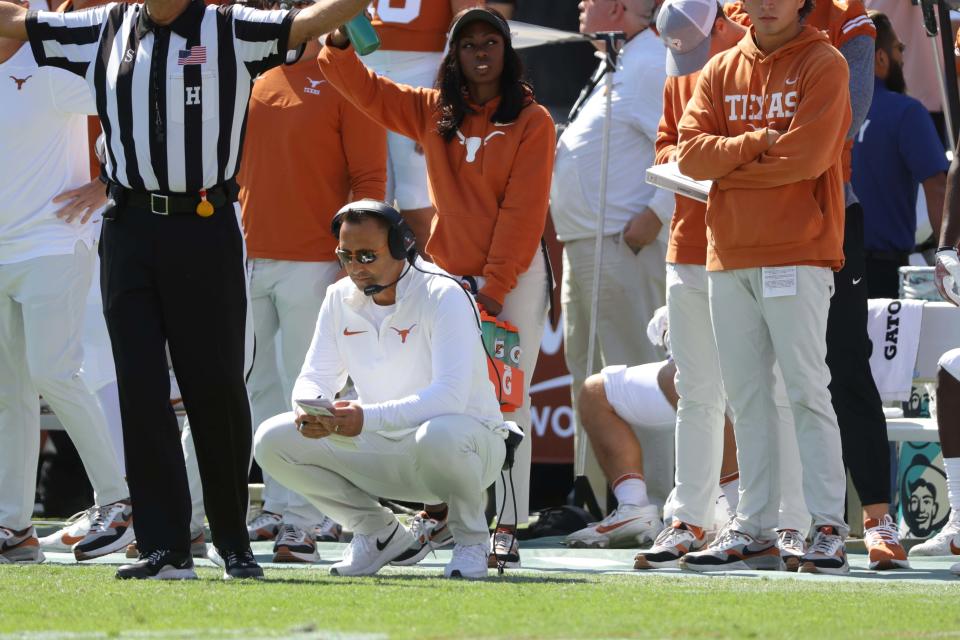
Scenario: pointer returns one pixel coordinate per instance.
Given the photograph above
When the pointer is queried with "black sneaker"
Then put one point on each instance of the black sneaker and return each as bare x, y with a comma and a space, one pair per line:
236, 564
160, 565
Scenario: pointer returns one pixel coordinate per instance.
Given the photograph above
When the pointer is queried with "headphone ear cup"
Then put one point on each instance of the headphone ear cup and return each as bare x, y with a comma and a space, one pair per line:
396, 243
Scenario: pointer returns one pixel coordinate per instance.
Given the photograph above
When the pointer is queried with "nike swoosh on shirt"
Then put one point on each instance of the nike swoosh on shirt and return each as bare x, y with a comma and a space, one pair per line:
347, 332
383, 545
613, 527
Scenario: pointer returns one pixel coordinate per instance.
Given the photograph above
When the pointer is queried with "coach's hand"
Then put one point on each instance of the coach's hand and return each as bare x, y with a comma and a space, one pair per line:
347, 420
338, 38
81, 202
312, 427
641, 230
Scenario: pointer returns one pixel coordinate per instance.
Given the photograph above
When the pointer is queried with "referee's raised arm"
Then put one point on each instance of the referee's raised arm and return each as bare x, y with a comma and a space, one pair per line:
322, 17
13, 20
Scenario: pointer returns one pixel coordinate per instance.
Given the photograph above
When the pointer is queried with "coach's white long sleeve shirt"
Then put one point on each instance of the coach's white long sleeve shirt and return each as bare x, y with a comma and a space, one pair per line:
424, 360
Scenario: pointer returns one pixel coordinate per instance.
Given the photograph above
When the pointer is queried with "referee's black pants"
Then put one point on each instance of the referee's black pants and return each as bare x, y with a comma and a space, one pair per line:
863, 428
179, 280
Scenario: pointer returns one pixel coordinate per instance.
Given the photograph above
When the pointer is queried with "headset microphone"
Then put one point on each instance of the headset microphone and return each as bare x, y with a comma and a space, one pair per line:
374, 289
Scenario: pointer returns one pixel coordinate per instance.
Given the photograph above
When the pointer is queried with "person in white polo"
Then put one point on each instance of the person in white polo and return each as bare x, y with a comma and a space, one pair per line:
426, 426
46, 264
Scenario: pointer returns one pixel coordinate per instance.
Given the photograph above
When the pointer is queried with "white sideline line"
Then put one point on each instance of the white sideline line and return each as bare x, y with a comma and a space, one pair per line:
308, 633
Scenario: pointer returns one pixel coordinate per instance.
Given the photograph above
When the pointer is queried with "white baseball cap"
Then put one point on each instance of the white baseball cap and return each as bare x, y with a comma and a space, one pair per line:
684, 27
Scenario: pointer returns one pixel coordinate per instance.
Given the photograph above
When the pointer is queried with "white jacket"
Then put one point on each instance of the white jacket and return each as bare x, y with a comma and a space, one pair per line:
424, 361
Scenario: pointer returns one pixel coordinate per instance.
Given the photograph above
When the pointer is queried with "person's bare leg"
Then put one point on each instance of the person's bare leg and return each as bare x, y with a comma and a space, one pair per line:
616, 446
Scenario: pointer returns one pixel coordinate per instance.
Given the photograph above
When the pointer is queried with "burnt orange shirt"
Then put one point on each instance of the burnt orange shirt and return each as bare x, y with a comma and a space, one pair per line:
688, 227
413, 25
770, 205
490, 185
307, 152
842, 21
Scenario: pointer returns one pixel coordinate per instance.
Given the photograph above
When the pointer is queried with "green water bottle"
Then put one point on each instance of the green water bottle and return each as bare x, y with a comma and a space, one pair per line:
362, 34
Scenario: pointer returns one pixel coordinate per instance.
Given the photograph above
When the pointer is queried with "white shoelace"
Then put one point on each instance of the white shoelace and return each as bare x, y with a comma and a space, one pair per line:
885, 531
791, 540
729, 538
421, 526
291, 534
327, 526
264, 520
104, 516
673, 536
826, 544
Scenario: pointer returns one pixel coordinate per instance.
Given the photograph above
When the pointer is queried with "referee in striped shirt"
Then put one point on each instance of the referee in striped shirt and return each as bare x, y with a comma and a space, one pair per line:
171, 80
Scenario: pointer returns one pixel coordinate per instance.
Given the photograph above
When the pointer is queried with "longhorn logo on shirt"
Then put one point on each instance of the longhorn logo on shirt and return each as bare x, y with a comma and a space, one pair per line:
403, 333
20, 82
473, 144
313, 86
750, 107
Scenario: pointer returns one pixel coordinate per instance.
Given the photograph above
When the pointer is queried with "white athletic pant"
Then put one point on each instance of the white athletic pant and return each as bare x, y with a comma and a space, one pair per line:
526, 308
752, 333
449, 459
702, 405
406, 168
286, 298
41, 317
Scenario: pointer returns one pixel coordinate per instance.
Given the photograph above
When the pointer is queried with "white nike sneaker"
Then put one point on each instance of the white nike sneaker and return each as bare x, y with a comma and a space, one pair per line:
428, 534
73, 531
468, 561
945, 543
265, 526
366, 554
627, 527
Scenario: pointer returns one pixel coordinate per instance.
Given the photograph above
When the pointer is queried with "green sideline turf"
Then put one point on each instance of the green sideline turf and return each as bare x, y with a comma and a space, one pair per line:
71, 601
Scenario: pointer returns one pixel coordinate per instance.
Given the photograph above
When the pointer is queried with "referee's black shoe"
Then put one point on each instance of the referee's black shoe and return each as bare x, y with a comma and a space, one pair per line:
160, 565
236, 564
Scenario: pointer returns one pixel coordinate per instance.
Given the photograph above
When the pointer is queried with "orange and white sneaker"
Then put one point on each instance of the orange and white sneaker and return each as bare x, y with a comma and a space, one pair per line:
265, 526
883, 544
734, 550
504, 549
792, 546
20, 546
628, 526
73, 531
671, 545
827, 554
111, 529
945, 543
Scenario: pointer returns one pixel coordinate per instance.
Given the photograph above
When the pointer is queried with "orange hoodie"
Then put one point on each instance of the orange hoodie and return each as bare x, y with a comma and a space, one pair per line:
842, 21
490, 185
779, 205
688, 228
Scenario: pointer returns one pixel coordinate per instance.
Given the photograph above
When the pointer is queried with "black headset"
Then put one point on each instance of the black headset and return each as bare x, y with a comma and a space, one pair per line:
400, 238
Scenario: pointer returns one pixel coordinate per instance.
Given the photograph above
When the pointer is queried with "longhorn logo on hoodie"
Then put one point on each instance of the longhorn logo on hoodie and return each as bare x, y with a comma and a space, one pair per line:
751, 107
404, 333
474, 144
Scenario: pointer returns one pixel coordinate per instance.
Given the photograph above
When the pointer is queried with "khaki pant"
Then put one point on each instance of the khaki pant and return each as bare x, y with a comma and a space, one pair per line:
41, 318
449, 459
752, 333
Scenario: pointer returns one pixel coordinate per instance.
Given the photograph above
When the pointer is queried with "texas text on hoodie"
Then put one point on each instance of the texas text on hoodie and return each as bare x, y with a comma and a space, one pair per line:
779, 205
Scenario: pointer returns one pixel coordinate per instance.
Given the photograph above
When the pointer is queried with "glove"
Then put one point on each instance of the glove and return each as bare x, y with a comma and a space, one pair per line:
947, 275
658, 329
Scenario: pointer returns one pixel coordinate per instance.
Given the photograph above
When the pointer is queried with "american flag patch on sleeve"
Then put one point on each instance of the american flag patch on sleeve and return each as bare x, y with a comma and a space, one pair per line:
193, 55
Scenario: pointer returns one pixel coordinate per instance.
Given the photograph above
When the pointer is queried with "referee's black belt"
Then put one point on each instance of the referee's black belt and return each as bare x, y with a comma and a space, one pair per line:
164, 204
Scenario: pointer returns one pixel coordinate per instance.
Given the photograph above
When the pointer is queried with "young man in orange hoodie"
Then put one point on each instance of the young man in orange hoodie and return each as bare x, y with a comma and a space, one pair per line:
767, 125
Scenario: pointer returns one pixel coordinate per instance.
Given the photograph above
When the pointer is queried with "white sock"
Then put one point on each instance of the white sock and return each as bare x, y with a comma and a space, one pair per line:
952, 467
631, 489
730, 486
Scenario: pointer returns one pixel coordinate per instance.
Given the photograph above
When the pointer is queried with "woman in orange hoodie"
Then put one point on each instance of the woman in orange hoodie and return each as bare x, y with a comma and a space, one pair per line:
767, 124
489, 149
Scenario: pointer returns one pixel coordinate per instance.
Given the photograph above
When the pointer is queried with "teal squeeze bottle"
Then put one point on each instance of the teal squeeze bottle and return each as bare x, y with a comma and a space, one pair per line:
362, 34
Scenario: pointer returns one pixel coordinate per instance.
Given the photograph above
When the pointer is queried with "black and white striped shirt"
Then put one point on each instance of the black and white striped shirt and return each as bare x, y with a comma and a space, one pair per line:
172, 100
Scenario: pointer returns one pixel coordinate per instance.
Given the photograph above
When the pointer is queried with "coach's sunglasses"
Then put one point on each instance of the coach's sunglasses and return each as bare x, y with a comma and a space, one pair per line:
362, 256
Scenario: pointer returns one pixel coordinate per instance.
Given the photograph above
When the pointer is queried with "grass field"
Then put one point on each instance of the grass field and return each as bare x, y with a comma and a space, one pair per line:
71, 601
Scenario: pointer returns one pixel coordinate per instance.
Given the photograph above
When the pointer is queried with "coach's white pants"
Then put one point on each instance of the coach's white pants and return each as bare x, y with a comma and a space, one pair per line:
526, 308
449, 459
41, 318
286, 298
752, 333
